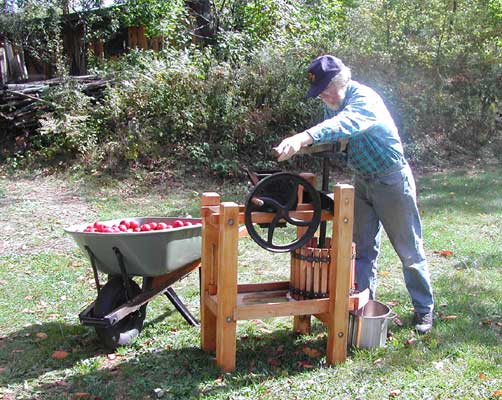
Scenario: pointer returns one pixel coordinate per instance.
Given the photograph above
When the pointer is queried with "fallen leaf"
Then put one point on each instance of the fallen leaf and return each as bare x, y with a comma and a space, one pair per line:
17, 351
384, 273
111, 356
398, 322
410, 342
2, 370
304, 364
392, 303
378, 362
482, 376
486, 322
41, 335
218, 380
394, 393
82, 395
499, 323
448, 317
497, 393
444, 253
313, 353
265, 330
59, 355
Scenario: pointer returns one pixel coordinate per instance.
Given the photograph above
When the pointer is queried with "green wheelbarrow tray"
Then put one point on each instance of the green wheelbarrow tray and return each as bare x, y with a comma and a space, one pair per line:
147, 254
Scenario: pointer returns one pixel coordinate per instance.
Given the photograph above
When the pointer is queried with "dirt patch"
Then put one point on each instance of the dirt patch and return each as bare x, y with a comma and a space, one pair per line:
33, 213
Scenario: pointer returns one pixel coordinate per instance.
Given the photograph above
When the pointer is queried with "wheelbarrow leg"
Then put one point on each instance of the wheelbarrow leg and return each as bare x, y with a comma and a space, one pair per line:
178, 304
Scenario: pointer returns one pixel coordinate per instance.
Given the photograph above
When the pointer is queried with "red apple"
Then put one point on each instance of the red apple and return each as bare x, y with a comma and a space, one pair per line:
99, 226
126, 223
161, 225
178, 223
145, 228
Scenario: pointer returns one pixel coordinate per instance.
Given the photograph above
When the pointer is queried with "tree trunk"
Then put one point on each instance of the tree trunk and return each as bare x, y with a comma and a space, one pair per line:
205, 30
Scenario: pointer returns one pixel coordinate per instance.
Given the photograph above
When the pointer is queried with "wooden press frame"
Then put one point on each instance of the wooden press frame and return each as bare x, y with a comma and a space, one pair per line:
223, 300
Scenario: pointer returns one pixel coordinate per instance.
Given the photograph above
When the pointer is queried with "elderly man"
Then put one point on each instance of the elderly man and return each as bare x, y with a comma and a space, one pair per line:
385, 192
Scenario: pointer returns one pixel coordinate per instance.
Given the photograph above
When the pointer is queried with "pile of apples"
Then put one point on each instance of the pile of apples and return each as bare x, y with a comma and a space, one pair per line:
133, 226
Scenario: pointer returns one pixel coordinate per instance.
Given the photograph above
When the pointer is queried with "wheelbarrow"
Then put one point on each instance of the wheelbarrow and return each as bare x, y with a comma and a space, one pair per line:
160, 257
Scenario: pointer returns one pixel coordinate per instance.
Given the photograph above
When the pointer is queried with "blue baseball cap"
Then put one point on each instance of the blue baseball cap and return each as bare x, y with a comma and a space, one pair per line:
321, 71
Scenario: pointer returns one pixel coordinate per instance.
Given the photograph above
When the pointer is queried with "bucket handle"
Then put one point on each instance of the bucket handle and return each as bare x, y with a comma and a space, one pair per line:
392, 316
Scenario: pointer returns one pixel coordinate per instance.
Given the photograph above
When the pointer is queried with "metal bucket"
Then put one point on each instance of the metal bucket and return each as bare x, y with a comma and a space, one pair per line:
368, 326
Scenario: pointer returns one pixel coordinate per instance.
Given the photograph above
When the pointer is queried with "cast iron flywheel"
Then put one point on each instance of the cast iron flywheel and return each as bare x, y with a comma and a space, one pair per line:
278, 194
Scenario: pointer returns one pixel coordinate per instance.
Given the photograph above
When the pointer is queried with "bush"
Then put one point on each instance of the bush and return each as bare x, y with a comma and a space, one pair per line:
223, 106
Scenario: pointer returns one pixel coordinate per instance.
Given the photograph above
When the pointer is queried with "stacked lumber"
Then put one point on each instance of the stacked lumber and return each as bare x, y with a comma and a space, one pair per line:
21, 104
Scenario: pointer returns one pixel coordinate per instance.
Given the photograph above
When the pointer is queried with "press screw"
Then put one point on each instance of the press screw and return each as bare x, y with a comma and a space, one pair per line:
230, 221
345, 220
229, 319
340, 334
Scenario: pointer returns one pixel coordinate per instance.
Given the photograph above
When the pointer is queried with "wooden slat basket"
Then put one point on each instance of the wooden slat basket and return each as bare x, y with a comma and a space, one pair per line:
310, 266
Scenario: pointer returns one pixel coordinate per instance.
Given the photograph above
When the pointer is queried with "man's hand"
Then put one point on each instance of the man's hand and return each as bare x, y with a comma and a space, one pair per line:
291, 145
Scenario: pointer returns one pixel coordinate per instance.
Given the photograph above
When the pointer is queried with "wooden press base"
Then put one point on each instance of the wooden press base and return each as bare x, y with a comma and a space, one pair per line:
224, 301
269, 300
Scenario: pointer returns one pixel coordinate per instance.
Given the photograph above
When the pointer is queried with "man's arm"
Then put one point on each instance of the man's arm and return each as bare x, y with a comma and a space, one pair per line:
291, 145
358, 116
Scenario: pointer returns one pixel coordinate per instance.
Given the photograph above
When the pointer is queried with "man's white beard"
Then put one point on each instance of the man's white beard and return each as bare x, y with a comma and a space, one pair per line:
334, 107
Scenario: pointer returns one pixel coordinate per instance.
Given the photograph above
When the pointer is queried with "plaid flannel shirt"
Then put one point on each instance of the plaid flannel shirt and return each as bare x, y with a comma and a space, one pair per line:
374, 145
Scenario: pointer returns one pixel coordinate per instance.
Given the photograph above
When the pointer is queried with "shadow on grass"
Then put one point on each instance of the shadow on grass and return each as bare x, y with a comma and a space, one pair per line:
27, 353
186, 372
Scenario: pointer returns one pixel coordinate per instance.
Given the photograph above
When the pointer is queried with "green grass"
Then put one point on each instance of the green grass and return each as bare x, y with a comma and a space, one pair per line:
41, 295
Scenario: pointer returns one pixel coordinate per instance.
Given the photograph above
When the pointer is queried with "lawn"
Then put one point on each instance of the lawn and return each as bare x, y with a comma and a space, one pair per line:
45, 282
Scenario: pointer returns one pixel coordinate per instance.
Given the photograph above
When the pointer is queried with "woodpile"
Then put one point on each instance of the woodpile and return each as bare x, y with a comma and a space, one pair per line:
22, 104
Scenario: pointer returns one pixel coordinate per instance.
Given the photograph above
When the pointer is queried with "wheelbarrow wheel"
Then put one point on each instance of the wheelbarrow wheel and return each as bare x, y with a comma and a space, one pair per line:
111, 296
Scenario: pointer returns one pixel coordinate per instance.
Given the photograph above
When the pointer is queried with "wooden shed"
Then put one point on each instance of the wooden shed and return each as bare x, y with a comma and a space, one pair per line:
12, 63
16, 65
